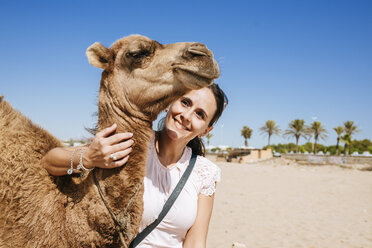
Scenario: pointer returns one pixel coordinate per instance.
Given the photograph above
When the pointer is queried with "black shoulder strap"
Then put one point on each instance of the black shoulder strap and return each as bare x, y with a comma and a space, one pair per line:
168, 204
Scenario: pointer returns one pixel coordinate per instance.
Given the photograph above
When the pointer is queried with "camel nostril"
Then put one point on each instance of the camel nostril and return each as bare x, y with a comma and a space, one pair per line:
198, 49
196, 52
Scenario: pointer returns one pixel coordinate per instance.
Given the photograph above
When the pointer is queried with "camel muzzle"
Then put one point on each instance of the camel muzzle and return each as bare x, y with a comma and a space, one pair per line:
199, 49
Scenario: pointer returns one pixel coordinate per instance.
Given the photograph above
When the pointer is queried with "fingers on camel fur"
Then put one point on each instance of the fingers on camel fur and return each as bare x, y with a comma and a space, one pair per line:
141, 77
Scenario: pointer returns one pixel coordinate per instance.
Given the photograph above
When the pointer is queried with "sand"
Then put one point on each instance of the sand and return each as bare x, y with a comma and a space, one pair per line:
272, 204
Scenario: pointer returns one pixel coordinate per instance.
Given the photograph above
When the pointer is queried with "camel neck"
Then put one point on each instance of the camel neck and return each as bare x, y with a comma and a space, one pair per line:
126, 118
133, 172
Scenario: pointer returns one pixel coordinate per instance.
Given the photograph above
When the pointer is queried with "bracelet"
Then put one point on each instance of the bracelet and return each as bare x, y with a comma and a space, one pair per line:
71, 170
80, 166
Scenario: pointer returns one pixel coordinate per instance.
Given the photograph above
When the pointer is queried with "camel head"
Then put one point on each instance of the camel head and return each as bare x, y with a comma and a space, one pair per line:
142, 76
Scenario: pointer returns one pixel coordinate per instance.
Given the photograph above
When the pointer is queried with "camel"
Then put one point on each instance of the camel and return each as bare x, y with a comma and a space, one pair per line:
140, 78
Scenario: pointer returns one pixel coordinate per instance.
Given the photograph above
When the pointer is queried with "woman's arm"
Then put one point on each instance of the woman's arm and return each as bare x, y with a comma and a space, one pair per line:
196, 237
58, 160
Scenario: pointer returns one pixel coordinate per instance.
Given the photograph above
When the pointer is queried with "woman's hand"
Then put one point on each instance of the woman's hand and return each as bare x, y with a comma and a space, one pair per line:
108, 152
104, 152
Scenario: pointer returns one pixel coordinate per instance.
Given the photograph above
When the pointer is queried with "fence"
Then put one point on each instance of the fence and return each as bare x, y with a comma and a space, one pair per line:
325, 159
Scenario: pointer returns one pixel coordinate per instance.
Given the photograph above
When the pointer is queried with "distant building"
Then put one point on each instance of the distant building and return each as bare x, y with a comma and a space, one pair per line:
217, 149
248, 155
210, 147
66, 143
366, 154
76, 143
223, 147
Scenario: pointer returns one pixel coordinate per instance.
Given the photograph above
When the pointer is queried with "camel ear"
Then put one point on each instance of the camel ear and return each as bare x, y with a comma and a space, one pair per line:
99, 56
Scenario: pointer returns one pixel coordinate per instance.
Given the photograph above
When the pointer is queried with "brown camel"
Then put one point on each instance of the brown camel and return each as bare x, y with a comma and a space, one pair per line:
141, 77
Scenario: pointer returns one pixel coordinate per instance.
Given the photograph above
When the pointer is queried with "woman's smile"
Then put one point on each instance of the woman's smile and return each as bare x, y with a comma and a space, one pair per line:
179, 125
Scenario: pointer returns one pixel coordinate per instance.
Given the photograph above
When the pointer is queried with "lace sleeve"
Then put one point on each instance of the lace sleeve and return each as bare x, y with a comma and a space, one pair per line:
208, 174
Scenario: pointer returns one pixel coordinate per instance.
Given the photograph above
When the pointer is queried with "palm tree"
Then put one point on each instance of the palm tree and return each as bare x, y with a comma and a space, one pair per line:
246, 133
339, 130
270, 128
350, 129
318, 131
208, 136
347, 140
297, 128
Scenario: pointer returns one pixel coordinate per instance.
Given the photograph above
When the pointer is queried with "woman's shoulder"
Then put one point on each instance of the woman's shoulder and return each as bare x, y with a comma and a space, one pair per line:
206, 165
208, 174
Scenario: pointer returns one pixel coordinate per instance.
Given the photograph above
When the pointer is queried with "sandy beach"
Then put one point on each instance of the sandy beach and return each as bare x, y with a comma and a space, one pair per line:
278, 203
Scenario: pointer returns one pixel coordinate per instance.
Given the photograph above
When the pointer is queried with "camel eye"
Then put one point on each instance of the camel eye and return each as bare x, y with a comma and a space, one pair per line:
139, 54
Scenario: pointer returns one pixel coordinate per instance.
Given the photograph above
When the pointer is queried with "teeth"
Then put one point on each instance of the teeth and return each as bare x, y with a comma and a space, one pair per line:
180, 125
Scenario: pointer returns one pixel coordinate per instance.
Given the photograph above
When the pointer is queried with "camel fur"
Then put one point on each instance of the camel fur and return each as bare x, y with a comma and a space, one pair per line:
140, 78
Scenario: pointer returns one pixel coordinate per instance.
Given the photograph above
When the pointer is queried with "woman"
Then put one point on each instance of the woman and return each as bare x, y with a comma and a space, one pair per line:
187, 120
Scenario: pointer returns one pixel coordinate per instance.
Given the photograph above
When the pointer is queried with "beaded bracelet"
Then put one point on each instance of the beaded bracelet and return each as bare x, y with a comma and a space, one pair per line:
71, 170
80, 166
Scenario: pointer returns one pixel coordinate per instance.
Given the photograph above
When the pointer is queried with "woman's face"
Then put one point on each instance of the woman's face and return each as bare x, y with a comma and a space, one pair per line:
190, 115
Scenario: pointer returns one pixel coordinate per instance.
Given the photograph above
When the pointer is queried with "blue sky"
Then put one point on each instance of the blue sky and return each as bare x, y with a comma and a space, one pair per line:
279, 60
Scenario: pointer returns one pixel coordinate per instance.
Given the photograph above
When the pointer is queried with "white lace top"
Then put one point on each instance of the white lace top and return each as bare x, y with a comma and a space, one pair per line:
159, 184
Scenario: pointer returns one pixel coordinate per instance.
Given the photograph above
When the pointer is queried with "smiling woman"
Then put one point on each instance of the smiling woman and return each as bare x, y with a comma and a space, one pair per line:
189, 116
188, 119
201, 98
